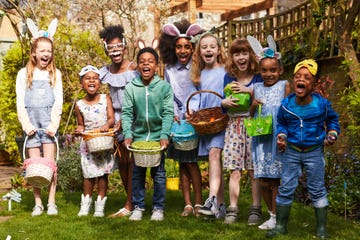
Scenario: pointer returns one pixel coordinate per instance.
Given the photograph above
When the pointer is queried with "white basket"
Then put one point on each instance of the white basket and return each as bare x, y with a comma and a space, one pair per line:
38, 175
147, 158
99, 144
186, 145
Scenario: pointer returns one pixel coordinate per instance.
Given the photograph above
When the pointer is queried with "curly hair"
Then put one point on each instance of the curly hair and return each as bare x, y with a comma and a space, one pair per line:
237, 46
167, 43
111, 32
198, 63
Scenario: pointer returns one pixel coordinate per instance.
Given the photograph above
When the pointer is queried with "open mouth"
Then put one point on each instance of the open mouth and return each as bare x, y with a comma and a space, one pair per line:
91, 87
209, 56
183, 58
146, 70
44, 60
115, 54
300, 87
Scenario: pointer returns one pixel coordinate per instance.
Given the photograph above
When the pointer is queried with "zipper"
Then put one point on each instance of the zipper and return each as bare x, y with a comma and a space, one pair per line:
147, 112
301, 122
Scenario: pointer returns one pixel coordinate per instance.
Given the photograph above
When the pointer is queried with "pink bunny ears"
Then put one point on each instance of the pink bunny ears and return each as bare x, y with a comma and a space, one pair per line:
36, 33
172, 30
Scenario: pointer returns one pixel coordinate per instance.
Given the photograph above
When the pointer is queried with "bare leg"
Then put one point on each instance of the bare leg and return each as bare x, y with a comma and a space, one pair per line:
48, 150
255, 189
102, 185
185, 183
35, 152
216, 182
89, 186
125, 169
234, 187
195, 175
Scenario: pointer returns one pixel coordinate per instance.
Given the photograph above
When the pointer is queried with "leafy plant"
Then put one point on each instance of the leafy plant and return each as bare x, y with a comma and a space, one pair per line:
70, 176
172, 168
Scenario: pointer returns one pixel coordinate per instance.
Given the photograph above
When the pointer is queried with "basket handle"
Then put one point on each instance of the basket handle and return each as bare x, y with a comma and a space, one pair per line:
91, 133
56, 142
197, 92
142, 150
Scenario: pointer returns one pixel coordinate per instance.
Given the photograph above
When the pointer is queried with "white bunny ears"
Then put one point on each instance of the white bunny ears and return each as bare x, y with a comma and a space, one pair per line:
141, 44
172, 30
36, 33
266, 52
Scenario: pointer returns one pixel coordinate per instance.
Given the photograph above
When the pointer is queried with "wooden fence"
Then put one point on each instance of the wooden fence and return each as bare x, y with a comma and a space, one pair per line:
288, 28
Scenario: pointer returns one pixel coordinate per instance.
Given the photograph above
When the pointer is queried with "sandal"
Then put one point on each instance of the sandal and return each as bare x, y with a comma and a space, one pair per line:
231, 215
123, 212
196, 209
188, 209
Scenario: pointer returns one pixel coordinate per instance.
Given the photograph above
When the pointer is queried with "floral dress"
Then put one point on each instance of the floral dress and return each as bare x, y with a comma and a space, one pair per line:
101, 163
266, 158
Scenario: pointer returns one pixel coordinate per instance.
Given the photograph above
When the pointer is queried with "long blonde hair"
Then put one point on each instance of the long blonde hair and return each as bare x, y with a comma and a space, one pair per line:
30, 66
197, 62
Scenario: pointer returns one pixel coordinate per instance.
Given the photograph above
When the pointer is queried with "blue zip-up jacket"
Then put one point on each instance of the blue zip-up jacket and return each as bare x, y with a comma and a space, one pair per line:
147, 111
305, 129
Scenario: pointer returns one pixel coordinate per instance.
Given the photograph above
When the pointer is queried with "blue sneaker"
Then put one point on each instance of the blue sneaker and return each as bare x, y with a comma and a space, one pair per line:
221, 212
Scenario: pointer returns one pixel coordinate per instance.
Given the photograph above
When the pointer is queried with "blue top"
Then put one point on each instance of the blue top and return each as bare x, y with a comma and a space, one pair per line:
178, 76
306, 125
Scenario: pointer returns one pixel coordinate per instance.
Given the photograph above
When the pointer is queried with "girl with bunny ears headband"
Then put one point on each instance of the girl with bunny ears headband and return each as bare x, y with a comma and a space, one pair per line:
266, 52
36, 33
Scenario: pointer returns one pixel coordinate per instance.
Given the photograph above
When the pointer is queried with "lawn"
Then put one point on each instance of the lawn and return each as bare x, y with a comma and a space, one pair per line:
68, 226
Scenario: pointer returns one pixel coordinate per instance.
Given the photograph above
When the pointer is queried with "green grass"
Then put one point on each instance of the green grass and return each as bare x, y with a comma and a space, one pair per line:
68, 226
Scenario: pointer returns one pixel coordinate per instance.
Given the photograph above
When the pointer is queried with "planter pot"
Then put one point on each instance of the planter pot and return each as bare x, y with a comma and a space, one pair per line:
172, 183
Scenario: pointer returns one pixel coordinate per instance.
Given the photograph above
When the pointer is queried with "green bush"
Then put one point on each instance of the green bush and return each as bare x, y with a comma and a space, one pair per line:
70, 176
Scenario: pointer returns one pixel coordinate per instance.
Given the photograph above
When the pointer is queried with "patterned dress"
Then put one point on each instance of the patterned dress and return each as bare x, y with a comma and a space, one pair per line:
266, 158
101, 163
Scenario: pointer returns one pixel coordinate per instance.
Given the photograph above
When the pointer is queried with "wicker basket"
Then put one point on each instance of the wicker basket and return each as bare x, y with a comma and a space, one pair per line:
184, 136
207, 120
146, 157
97, 141
39, 171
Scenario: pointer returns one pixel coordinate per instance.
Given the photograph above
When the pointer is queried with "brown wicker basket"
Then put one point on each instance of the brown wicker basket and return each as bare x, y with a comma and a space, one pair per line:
208, 120
97, 141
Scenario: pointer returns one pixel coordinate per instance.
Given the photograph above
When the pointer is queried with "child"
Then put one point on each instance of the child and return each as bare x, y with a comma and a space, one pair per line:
267, 162
148, 112
94, 111
207, 73
117, 74
176, 51
39, 99
241, 67
306, 121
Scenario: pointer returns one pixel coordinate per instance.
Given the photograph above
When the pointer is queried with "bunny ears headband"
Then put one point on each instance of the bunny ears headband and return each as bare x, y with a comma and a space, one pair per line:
266, 52
172, 30
36, 33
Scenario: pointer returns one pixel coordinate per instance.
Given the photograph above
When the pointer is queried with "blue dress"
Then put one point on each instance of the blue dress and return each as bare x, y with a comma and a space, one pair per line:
210, 79
267, 160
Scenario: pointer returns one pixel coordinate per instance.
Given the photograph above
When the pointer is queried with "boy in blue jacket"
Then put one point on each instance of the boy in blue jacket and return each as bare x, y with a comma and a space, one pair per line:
306, 121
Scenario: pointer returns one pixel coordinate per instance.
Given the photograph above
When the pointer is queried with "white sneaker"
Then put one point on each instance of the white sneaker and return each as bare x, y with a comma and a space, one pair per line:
85, 205
269, 224
52, 209
157, 215
136, 214
37, 210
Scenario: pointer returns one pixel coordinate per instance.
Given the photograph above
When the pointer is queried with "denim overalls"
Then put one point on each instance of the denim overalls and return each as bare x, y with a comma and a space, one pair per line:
39, 99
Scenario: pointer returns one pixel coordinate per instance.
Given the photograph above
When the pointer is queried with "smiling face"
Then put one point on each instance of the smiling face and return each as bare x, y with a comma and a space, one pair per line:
241, 60
115, 50
303, 85
270, 70
42, 53
90, 83
209, 51
183, 50
147, 66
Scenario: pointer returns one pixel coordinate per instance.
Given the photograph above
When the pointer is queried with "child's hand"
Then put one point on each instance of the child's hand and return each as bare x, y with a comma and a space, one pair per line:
118, 126
188, 116
79, 130
164, 143
31, 132
229, 102
176, 119
104, 128
50, 133
239, 88
127, 142
329, 140
281, 142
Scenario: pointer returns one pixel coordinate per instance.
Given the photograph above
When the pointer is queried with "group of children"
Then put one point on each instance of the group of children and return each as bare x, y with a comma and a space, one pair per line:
143, 107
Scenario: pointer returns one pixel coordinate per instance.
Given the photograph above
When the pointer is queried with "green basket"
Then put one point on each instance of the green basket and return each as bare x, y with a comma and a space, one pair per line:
262, 125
